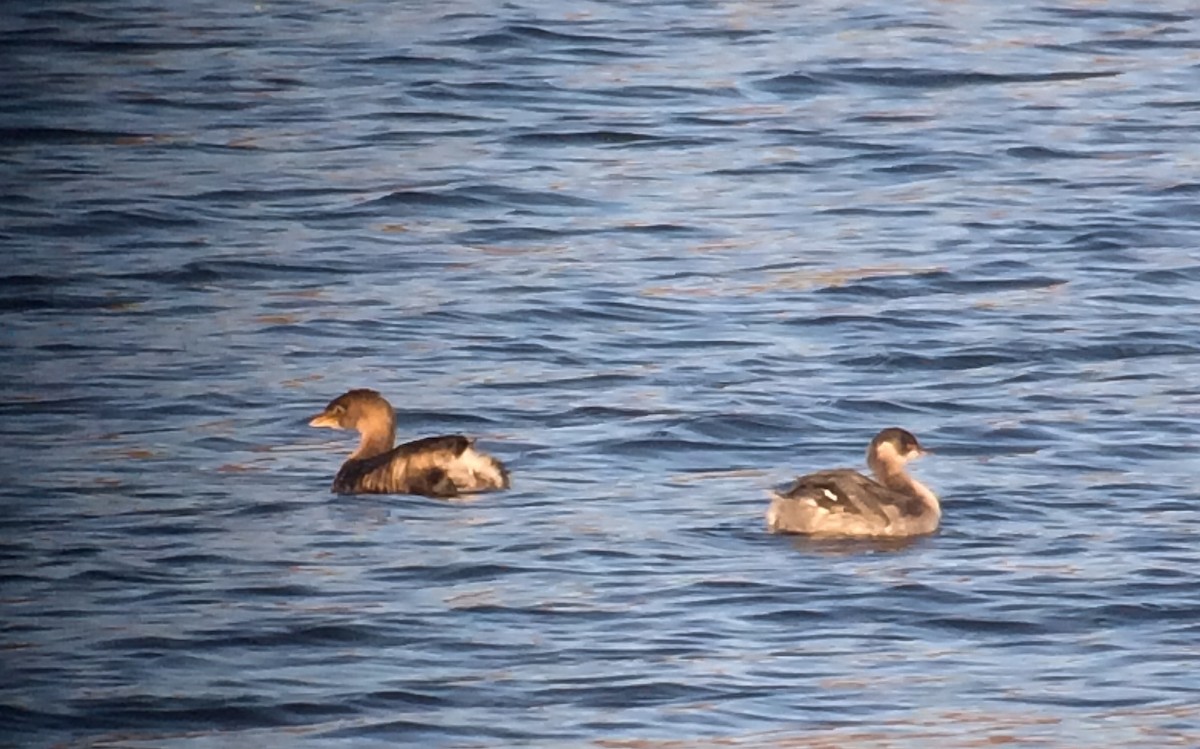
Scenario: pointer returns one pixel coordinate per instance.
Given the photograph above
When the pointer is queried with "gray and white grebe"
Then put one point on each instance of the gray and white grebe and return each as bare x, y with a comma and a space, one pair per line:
844, 503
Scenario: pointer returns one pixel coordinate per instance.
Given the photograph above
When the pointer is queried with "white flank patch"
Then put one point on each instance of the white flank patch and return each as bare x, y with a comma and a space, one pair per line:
833, 497
480, 467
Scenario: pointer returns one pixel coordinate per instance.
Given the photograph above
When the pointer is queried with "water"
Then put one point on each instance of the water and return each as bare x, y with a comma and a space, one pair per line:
659, 257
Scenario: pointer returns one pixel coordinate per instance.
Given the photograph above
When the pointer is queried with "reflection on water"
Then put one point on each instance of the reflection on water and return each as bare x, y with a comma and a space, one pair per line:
852, 547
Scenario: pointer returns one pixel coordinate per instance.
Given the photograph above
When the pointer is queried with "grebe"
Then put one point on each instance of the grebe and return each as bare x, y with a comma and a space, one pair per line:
845, 503
435, 466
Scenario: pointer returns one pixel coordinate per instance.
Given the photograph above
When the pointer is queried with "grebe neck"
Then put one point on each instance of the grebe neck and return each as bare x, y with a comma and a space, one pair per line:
888, 468
378, 435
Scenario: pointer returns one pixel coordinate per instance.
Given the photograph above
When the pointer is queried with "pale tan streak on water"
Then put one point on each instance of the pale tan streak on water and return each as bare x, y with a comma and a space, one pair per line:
1023, 297
684, 479
801, 280
957, 729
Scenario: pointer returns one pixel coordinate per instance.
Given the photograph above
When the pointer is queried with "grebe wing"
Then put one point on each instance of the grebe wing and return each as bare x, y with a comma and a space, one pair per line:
451, 445
444, 466
424, 466
842, 490
417, 467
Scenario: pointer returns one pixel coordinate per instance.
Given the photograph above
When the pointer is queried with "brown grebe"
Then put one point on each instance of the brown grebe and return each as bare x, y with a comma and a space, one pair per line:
843, 502
435, 466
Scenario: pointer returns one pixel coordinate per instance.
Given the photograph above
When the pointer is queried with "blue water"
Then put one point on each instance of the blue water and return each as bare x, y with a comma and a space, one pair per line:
659, 257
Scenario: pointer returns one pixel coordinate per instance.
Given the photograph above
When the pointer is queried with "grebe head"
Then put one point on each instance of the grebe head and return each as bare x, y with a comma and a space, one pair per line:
895, 445
362, 410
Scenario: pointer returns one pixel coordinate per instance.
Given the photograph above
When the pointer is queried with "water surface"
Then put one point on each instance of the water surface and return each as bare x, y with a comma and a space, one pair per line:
659, 257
